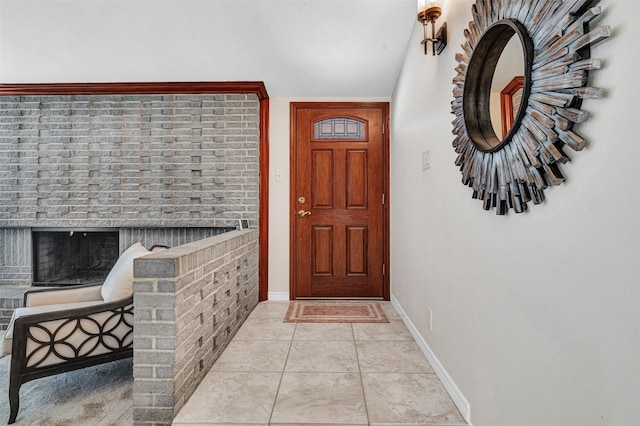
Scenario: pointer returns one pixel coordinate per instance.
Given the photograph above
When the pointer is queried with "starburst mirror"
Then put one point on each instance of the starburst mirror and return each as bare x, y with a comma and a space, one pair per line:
552, 39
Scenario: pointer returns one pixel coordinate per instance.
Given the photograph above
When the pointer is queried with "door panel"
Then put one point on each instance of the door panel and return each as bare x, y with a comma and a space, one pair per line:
322, 250
356, 177
356, 250
339, 239
321, 177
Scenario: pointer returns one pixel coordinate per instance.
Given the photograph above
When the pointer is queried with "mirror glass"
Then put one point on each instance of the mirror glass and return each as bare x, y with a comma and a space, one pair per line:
502, 56
506, 87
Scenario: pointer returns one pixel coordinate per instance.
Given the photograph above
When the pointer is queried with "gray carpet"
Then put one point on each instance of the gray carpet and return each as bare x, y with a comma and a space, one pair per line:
100, 395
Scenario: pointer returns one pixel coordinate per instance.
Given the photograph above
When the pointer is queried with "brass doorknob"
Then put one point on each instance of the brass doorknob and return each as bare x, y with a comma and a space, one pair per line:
303, 213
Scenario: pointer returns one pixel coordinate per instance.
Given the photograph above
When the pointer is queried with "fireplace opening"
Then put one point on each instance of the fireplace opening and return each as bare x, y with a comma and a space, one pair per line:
63, 256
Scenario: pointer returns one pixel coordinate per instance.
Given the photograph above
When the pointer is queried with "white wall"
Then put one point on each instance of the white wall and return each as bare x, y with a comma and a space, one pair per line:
536, 317
298, 48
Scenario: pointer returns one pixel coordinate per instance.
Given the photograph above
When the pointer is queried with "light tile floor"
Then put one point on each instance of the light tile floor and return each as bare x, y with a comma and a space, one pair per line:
276, 373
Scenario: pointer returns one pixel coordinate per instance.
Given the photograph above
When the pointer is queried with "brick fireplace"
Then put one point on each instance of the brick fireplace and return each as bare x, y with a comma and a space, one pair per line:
175, 169
159, 169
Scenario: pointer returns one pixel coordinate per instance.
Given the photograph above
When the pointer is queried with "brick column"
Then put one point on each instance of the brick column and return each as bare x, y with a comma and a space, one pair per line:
189, 302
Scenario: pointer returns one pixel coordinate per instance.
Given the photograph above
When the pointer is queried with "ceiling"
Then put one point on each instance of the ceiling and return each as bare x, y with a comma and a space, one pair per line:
299, 48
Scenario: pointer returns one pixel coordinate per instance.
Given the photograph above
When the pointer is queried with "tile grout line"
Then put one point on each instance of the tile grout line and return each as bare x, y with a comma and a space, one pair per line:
364, 397
275, 398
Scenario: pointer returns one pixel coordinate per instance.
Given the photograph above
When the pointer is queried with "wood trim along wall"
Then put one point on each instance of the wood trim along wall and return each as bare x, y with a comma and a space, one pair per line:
201, 87
137, 88
263, 238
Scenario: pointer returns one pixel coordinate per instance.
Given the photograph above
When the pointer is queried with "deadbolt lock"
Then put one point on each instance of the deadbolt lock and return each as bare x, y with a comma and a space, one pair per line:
301, 200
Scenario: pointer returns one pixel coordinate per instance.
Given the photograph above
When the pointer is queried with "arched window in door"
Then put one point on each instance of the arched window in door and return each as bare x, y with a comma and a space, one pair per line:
341, 128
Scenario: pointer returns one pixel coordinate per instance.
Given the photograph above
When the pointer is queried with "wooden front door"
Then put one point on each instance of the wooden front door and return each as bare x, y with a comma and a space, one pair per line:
339, 230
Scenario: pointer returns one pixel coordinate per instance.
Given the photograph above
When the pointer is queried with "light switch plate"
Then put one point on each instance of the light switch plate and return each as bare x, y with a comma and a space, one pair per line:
426, 159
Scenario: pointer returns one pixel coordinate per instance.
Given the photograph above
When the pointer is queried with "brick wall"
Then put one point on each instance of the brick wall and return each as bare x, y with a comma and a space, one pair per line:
130, 161
170, 237
8, 302
15, 256
189, 302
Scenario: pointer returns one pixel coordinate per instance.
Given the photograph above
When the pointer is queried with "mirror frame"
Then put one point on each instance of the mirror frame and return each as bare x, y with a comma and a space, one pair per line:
556, 41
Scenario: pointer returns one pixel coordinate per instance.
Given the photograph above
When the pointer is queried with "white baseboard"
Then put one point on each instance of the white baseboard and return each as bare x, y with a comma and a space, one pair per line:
456, 395
278, 296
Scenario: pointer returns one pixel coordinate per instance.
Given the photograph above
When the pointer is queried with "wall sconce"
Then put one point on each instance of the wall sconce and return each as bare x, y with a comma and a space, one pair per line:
428, 13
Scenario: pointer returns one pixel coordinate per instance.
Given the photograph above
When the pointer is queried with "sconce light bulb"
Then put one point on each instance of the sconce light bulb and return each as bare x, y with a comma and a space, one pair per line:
427, 4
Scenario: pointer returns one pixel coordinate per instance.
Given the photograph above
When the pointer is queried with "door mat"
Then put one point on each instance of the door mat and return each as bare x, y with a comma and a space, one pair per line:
324, 311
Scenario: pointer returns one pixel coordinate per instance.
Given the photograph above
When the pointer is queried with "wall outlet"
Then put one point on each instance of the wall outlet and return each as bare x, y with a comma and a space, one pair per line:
430, 319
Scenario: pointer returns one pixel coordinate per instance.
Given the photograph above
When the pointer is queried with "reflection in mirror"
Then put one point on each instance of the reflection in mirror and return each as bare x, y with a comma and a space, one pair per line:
503, 109
510, 100
479, 76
